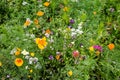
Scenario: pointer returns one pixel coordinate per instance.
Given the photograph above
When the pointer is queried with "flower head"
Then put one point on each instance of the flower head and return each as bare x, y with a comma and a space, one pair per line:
75, 54
40, 13
98, 47
41, 42
46, 4
18, 62
72, 21
27, 22
65, 9
51, 57
36, 21
70, 73
111, 46
0, 63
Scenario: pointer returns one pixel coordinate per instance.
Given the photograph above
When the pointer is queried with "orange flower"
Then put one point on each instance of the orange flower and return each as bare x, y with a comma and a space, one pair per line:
17, 53
36, 21
18, 62
41, 42
46, 4
57, 56
40, 13
48, 31
27, 22
111, 46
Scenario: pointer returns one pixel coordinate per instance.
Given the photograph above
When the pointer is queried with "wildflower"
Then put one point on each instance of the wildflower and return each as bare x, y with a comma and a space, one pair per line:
48, 31
32, 54
24, 3
41, 42
17, 53
8, 76
51, 57
75, 54
97, 53
18, 62
65, 9
36, 21
46, 4
57, 56
70, 73
27, 22
33, 60
72, 21
30, 70
40, 13
98, 47
91, 48
24, 52
111, 46
0, 63
94, 13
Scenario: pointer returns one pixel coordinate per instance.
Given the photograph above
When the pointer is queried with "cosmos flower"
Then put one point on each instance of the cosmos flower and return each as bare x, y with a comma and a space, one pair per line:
98, 48
18, 62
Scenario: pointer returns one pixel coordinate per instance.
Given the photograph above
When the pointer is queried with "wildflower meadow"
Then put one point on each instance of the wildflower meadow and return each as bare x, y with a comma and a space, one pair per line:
59, 39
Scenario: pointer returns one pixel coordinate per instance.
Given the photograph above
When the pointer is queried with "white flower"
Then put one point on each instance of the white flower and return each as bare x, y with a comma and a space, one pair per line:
13, 51
32, 36
24, 52
24, 3
33, 60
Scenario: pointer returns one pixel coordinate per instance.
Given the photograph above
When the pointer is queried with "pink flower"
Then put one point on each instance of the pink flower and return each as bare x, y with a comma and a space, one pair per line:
75, 54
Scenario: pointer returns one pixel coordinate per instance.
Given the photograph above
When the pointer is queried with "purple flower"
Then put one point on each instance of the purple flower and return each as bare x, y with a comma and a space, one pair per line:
51, 57
72, 21
98, 47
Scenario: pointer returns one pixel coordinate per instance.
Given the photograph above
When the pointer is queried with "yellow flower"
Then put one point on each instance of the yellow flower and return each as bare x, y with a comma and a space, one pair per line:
70, 73
97, 53
18, 62
0, 64
17, 53
32, 54
30, 70
91, 48
46, 4
65, 9
57, 56
94, 13
40, 13
111, 46
36, 21
41, 42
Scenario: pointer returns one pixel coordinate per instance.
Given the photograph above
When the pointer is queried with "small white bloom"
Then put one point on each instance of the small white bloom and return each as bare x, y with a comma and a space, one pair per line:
24, 52
13, 51
24, 3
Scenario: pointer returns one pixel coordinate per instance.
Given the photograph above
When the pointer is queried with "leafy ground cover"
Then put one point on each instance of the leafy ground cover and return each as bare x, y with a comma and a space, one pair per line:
59, 40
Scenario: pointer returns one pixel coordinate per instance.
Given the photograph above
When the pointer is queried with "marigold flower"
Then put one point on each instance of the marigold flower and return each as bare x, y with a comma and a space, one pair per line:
36, 21
18, 62
46, 4
70, 73
41, 42
111, 46
40, 13
0, 64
